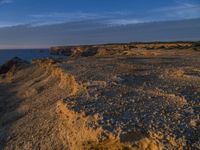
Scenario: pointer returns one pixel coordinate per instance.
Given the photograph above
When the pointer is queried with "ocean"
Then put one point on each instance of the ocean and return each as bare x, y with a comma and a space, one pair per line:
26, 54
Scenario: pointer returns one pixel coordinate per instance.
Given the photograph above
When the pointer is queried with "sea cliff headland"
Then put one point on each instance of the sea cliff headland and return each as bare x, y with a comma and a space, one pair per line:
137, 96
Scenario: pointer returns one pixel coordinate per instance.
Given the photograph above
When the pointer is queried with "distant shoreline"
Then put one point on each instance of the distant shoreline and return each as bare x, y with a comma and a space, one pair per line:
124, 43
99, 44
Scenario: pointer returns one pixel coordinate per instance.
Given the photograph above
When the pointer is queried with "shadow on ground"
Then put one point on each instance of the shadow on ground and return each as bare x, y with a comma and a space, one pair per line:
9, 103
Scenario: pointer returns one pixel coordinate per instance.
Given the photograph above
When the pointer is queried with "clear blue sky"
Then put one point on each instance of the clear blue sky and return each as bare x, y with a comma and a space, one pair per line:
34, 14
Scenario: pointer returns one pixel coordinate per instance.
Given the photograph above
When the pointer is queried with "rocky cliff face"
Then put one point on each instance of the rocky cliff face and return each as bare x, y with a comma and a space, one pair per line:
12, 64
115, 49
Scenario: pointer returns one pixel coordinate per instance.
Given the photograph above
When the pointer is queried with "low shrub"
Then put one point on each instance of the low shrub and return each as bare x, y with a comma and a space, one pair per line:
196, 46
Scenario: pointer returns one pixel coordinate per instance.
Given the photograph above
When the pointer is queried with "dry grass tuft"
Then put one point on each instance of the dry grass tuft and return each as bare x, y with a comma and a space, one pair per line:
79, 131
66, 81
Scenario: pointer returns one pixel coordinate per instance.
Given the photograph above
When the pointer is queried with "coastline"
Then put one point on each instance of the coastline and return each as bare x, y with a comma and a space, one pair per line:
126, 98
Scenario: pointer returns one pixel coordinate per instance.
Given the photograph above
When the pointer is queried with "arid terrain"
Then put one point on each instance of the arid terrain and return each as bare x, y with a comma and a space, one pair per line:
137, 96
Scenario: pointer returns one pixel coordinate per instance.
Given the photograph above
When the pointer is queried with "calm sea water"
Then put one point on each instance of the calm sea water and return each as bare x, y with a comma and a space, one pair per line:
28, 54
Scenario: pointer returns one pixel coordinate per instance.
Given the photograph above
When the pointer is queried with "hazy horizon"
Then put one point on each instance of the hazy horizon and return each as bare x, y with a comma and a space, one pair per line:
42, 24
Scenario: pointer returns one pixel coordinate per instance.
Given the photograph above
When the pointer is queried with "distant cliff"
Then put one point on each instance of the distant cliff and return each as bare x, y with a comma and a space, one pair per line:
113, 49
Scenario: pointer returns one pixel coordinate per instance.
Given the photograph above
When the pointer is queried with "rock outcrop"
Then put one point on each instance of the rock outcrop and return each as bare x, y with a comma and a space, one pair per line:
116, 49
13, 64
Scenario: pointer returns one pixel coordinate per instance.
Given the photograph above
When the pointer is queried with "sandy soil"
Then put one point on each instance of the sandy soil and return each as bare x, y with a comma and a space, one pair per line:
103, 102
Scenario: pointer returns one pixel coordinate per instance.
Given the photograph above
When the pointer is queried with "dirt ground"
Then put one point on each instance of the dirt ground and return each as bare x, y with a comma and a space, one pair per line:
114, 102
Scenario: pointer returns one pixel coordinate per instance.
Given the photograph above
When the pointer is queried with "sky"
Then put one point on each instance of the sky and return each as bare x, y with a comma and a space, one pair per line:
45, 23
